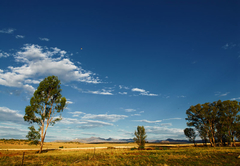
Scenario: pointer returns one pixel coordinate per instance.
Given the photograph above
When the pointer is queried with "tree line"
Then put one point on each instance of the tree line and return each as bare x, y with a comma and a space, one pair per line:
217, 122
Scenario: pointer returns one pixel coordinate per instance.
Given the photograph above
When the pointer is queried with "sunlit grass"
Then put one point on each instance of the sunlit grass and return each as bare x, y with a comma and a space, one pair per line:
174, 156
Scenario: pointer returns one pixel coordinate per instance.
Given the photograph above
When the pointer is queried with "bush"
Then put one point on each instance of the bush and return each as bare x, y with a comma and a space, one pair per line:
133, 148
60, 146
141, 147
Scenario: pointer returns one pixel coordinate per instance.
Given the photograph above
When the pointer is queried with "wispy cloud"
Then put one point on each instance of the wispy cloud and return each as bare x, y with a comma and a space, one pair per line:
148, 121
69, 102
166, 124
135, 114
238, 98
84, 123
8, 31
221, 94
122, 93
101, 92
19, 36
44, 39
130, 110
143, 92
85, 133
123, 87
229, 46
110, 117
76, 112
173, 119
4, 54
8, 115
181, 96
94, 124
163, 130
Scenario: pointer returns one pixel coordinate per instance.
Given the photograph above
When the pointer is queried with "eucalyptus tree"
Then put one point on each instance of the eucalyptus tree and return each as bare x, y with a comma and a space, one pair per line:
231, 118
141, 136
46, 103
218, 121
190, 134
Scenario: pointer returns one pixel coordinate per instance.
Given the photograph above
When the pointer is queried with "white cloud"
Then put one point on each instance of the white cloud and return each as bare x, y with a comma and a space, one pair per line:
122, 93
100, 92
9, 30
12, 132
141, 112
181, 96
163, 130
173, 119
130, 110
29, 88
166, 124
143, 92
44, 39
94, 124
135, 114
29, 81
221, 94
85, 133
228, 46
20, 36
69, 102
76, 112
238, 98
123, 87
8, 115
39, 62
148, 121
138, 90
111, 117
4, 54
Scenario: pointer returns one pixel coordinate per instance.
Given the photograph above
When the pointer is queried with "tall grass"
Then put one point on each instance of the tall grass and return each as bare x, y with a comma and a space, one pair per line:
178, 156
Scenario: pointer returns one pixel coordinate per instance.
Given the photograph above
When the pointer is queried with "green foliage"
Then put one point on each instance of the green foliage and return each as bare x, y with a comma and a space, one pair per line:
190, 134
45, 104
217, 121
33, 136
60, 146
141, 136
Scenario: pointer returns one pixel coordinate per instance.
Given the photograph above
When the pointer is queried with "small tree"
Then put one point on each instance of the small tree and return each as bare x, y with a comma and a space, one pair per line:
190, 134
141, 136
33, 136
46, 102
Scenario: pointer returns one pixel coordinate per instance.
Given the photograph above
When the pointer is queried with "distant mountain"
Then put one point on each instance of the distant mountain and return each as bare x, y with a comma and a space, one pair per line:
99, 140
109, 140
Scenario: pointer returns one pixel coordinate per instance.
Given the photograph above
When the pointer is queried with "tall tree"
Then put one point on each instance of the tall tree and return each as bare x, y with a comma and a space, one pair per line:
231, 110
190, 134
141, 136
45, 104
219, 121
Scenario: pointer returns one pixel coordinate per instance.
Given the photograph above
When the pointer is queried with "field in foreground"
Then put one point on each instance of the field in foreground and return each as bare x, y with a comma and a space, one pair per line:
163, 156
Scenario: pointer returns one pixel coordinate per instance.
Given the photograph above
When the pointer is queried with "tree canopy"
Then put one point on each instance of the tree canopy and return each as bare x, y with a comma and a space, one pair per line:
190, 134
218, 121
45, 104
141, 136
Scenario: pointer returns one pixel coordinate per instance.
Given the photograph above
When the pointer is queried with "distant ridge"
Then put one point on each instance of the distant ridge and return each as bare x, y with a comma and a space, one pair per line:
109, 140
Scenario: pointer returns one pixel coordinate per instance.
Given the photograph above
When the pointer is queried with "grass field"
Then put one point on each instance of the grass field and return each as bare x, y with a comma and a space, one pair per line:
175, 155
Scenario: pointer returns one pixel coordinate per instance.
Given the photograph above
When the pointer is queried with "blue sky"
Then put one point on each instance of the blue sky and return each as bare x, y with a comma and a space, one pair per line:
121, 63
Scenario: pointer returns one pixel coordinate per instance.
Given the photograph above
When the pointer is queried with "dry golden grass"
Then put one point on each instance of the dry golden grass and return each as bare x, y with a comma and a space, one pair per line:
175, 156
